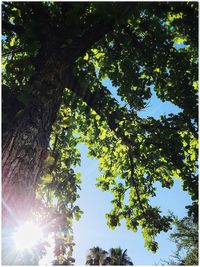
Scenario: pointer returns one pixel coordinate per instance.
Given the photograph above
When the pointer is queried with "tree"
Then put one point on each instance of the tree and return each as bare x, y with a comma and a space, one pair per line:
96, 256
119, 257
185, 236
116, 256
55, 57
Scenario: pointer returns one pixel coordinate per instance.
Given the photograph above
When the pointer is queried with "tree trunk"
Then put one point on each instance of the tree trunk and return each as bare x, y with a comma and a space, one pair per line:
25, 144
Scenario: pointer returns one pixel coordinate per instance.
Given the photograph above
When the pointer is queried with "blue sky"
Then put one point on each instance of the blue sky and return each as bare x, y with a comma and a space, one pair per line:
92, 230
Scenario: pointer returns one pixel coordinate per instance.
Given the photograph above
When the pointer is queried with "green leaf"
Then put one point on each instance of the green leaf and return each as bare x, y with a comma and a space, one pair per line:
193, 157
98, 117
102, 135
47, 178
99, 55
105, 149
86, 57
12, 42
157, 70
49, 160
195, 85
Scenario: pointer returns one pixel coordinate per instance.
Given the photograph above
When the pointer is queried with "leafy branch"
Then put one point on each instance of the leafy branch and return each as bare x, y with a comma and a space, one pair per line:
133, 178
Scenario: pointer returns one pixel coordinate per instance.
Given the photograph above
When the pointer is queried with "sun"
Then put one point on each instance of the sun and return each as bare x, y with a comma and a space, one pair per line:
27, 236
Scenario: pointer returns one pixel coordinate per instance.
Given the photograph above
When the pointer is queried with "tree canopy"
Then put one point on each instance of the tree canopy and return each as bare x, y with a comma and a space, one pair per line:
55, 57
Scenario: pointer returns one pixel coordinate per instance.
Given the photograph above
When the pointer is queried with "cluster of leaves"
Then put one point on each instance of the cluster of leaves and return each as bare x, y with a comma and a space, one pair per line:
115, 256
185, 236
139, 57
59, 185
159, 150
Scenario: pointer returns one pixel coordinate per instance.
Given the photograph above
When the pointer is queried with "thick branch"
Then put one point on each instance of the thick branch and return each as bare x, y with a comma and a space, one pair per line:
98, 30
94, 34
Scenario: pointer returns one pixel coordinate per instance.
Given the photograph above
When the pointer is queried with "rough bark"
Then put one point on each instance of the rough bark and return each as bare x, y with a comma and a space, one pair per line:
25, 144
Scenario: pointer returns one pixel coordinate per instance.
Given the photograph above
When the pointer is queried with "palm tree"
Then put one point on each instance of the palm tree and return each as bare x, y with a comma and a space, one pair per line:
96, 256
116, 256
119, 257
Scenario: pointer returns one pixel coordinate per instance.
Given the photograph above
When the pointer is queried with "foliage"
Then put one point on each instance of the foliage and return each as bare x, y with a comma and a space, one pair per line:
152, 47
185, 236
115, 256
58, 188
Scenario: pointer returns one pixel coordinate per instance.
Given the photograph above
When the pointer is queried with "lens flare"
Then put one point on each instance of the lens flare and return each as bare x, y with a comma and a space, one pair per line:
27, 236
